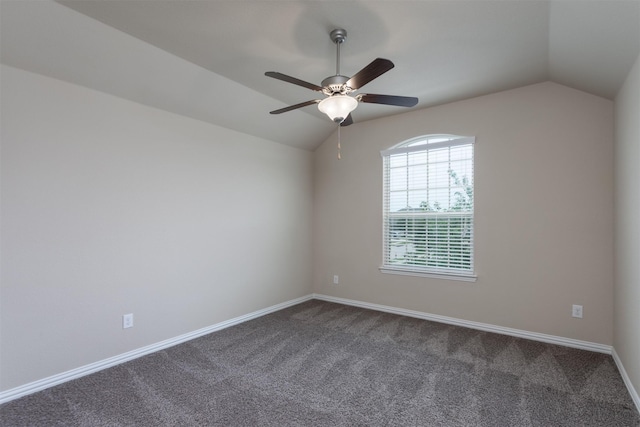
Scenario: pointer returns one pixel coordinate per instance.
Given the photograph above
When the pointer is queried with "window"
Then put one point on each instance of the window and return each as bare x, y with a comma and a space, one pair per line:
428, 207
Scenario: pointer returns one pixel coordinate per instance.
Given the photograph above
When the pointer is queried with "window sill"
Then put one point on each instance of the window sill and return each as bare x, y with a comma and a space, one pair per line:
445, 276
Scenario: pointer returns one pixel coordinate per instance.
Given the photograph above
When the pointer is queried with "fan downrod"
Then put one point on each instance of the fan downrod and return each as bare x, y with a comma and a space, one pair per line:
336, 83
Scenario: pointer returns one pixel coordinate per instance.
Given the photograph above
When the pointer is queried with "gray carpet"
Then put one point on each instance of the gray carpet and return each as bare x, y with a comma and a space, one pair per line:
325, 364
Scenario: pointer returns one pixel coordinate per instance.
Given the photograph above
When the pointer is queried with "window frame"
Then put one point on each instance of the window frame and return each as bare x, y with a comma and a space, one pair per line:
411, 146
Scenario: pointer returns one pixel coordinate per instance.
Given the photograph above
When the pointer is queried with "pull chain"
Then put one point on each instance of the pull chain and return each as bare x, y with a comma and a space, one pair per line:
339, 157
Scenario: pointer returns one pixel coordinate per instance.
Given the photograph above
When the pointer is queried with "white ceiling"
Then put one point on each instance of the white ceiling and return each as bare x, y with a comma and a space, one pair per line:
206, 59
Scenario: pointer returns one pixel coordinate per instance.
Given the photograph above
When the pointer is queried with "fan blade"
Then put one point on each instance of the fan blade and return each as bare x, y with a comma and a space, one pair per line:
293, 80
400, 101
348, 121
295, 107
375, 69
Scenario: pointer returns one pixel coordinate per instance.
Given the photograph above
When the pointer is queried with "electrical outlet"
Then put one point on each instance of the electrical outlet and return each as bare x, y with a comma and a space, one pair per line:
336, 279
576, 311
127, 321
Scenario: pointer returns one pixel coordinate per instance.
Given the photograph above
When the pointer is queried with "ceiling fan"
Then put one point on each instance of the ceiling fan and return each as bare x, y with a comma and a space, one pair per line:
340, 101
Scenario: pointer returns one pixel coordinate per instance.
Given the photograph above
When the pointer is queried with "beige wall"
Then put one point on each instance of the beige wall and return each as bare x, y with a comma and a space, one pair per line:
110, 207
627, 231
544, 212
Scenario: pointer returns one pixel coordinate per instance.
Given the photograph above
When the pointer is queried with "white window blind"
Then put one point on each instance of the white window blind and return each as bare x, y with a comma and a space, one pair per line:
428, 207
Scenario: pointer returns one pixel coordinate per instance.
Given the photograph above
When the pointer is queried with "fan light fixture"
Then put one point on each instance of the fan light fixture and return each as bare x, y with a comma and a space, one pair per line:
338, 107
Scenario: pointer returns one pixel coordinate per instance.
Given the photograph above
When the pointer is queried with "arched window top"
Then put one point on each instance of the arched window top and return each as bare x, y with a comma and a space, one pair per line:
428, 142
428, 139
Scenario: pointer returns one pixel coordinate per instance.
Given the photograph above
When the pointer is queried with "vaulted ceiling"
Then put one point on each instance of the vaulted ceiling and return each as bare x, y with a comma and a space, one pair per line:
206, 59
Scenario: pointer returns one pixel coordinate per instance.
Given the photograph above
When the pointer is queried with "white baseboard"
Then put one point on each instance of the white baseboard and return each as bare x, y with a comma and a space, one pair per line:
626, 379
551, 339
53, 380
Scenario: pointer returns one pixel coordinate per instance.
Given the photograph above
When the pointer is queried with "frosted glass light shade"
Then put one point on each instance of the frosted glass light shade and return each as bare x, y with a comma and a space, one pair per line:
338, 107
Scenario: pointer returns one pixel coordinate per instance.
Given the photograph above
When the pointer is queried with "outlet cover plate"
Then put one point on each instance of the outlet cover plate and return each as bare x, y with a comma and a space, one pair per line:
127, 321
576, 311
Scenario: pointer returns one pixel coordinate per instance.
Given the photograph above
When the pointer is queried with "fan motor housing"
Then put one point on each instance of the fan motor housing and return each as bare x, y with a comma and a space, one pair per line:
335, 84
